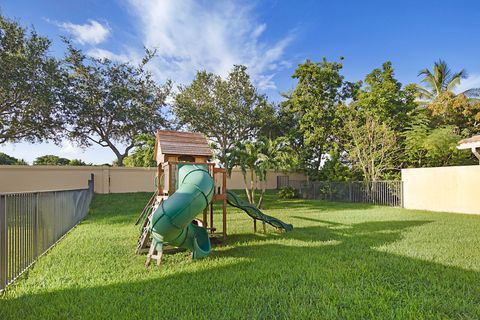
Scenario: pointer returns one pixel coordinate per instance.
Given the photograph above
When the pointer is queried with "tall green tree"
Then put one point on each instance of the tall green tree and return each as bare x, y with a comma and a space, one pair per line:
255, 159
111, 102
30, 85
313, 103
385, 97
442, 79
228, 111
384, 102
370, 144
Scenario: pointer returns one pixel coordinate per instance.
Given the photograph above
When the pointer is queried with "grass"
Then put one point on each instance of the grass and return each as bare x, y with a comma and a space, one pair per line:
342, 261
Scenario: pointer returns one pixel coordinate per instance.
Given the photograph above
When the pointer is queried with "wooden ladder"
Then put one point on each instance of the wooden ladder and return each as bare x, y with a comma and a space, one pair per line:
147, 208
143, 240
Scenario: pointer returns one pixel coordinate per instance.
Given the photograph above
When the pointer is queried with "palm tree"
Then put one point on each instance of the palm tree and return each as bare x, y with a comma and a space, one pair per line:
441, 80
255, 158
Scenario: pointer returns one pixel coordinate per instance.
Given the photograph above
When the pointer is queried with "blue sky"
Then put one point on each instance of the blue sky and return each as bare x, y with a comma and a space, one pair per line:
270, 37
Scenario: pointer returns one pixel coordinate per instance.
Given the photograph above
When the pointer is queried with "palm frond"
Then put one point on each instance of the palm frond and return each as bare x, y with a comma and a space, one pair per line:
423, 93
455, 79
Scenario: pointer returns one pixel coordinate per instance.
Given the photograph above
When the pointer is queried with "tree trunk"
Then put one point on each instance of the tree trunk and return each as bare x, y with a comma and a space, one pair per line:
120, 160
246, 187
252, 187
260, 201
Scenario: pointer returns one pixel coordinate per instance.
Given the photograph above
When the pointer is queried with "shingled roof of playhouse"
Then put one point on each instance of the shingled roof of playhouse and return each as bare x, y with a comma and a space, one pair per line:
182, 143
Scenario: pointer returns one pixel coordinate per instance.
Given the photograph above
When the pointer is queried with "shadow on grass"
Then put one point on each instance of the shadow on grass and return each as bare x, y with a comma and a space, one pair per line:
312, 272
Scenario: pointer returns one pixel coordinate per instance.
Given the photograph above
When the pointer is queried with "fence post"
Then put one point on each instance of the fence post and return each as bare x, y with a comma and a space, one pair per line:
91, 182
3, 243
35, 243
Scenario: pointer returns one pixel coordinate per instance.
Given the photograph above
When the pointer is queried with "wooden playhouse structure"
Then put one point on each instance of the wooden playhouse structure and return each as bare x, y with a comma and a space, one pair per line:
173, 148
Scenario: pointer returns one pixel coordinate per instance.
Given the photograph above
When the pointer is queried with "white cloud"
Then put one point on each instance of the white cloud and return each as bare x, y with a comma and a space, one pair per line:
106, 54
69, 149
190, 36
472, 81
92, 32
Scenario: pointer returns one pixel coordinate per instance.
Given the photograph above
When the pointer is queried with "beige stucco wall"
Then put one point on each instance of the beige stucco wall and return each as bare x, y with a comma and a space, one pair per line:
451, 189
236, 180
107, 179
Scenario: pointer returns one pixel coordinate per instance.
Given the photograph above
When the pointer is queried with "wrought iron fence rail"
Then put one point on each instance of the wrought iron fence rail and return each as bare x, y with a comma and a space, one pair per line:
32, 222
387, 193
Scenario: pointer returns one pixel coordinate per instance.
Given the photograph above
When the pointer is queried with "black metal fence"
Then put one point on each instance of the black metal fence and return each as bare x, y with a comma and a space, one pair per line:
387, 193
32, 222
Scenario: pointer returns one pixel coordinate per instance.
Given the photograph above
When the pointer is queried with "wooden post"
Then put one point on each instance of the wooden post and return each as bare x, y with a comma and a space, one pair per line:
155, 246
159, 178
205, 218
224, 218
211, 217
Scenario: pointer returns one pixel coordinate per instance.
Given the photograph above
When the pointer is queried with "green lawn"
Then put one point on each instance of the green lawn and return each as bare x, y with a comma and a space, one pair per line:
341, 261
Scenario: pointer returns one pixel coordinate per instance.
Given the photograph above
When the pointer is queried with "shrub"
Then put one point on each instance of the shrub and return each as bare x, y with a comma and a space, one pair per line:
288, 193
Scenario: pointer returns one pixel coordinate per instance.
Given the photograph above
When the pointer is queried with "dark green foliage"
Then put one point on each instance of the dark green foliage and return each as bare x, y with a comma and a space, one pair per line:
76, 162
30, 85
288, 193
313, 104
384, 97
228, 111
5, 159
433, 147
337, 168
110, 103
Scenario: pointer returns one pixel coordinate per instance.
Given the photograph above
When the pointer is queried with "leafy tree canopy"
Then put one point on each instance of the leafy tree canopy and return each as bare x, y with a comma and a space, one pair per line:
228, 111
384, 97
313, 103
51, 160
5, 159
111, 103
433, 147
371, 145
456, 110
142, 155
30, 85
77, 162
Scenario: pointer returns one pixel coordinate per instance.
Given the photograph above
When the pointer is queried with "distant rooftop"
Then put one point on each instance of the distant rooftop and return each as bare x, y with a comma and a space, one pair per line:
183, 143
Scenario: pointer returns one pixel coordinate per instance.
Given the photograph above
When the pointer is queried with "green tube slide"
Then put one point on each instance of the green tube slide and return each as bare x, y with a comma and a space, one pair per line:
172, 220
